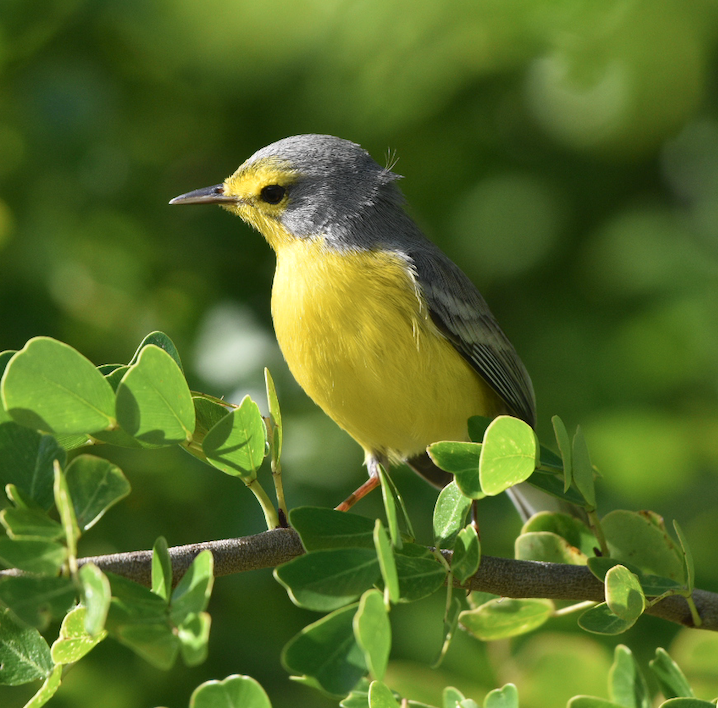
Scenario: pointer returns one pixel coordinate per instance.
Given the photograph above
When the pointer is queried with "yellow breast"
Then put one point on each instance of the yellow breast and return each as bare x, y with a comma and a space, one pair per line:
358, 339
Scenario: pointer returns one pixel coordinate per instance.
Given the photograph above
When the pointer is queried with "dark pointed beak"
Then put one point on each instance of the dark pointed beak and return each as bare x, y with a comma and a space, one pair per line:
206, 195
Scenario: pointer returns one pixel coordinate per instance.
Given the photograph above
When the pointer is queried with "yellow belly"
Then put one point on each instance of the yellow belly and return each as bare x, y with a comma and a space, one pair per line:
360, 342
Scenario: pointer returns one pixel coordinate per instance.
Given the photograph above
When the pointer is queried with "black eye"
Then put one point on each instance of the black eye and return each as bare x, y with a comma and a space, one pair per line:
272, 193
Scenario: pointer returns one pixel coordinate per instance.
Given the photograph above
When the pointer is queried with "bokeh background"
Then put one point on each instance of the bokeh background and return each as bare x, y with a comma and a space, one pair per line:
563, 152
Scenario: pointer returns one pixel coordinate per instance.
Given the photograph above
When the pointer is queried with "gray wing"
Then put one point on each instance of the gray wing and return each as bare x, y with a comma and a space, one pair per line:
462, 315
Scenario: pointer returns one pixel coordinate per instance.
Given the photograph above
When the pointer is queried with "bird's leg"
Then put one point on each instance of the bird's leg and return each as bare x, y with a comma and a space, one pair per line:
371, 483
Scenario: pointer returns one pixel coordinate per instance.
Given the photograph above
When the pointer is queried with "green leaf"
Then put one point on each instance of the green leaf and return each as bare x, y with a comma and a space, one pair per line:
601, 620
154, 403
583, 469
326, 653
689, 572
652, 585
564, 446
208, 412
321, 528
548, 548
462, 460
275, 416
387, 564
50, 386
96, 597
19, 498
29, 524
551, 460
451, 622
573, 530
450, 697
94, 485
626, 685
138, 619
37, 600
624, 596
327, 580
155, 643
477, 428
237, 444
508, 456
390, 495
640, 538
74, 641
26, 461
687, 703
47, 690
420, 574
380, 696
161, 340
506, 697
358, 698
506, 617
113, 373
450, 513
193, 591
66, 511
553, 484
467, 554
193, 634
133, 603
234, 692
161, 569
671, 679
591, 702
372, 631
390, 509
32, 555
24, 654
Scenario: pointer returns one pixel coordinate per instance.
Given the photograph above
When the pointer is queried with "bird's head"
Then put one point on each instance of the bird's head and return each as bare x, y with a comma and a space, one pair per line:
305, 186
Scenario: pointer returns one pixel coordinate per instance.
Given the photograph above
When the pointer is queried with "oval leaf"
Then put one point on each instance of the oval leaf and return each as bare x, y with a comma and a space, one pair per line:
624, 596
508, 456
234, 692
467, 554
600, 620
24, 654
94, 485
237, 444
74, 641
372, 631
321, 528
327, 580
154, 403
326, 653
462, 460
506, 617
450, 512
547, 547
626, 684
50, 386
380, 696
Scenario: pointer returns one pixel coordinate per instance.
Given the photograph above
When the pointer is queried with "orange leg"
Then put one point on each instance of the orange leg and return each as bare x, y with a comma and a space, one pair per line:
373, 482
354, 497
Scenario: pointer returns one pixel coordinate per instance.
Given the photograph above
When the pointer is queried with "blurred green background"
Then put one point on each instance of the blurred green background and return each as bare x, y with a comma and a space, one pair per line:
563, 152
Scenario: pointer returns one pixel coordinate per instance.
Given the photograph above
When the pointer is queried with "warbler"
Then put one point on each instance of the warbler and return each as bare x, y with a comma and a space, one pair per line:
380, 328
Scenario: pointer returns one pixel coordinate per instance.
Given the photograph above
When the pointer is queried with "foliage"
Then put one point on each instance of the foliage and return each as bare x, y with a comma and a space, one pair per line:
563, 154
355, 569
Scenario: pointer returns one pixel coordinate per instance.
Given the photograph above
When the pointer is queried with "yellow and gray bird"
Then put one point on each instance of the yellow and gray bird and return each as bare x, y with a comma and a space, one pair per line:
380, 328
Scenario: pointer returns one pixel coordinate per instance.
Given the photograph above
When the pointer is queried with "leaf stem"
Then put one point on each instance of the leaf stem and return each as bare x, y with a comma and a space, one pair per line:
270, 513
595, 524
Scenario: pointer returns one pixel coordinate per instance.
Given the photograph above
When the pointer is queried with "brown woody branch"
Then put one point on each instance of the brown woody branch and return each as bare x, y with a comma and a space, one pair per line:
501, 576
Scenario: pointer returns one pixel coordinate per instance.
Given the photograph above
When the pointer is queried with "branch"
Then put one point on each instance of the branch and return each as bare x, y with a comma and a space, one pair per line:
501, 576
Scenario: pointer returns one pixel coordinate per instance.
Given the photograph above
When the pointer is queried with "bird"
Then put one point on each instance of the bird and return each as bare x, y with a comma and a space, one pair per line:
377, 325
